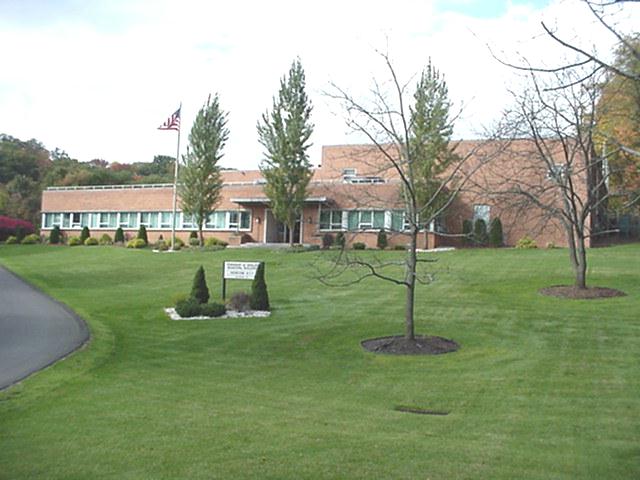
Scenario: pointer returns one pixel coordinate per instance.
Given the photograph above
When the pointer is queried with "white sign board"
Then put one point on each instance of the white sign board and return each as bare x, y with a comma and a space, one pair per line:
240, 270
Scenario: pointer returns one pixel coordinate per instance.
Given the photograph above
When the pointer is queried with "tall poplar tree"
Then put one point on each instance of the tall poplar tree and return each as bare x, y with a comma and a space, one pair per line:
200, 178
284, 132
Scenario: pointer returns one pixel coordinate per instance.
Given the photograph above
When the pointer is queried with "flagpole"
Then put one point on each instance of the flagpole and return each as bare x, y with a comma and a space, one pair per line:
175, 186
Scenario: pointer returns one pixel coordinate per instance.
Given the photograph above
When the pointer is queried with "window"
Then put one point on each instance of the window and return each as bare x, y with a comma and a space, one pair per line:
330, 219
188, 221
75, 220
65, 220
366, 219
216, 221
233, 220
558, 172
165, 219
108, 220
245, 221
149, 219
481, 212
366, 180
128, 220
51, 220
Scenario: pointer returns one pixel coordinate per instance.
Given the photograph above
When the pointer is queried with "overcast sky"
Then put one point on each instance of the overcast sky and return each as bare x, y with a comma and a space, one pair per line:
96, 78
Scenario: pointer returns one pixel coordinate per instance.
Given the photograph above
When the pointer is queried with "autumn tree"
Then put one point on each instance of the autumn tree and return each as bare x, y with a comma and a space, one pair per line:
285, 134
200, 178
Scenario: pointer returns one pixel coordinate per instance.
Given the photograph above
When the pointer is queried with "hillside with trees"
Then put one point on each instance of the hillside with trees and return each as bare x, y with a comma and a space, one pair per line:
27, 168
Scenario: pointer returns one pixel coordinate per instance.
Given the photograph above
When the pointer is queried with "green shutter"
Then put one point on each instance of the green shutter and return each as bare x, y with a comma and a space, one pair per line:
396, 220
378, 219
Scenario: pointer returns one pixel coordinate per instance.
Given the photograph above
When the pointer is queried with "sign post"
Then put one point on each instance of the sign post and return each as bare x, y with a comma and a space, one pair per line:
237, 271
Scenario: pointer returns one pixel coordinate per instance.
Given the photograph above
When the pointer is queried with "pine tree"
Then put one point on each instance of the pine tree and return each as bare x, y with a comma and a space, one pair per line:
259, 294
200, 291
284, 133
480, 232
200, 178
119, 236
382, 241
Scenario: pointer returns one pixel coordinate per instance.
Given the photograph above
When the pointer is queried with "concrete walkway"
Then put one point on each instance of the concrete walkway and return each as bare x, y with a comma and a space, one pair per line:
35, 330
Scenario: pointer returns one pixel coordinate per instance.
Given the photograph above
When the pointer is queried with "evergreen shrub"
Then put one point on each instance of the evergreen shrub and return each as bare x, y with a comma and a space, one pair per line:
55, 237
142, 234
340, 239
188, 307
199, 290
75, 241
382, 241
119, 236
212, 309
84, 234
495, 233
358, 246
480, 232
259, 294
327, 240
467, 227
11, 240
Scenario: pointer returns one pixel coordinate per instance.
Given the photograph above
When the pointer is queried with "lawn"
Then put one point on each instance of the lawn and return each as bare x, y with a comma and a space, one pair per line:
541, 387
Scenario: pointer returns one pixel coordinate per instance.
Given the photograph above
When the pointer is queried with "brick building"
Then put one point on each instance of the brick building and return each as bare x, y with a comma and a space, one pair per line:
352, 191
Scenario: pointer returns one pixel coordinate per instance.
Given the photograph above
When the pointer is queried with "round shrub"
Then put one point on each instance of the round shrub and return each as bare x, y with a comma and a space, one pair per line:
55, 236
119, 236
188, 308
30, 239
194, 242
259, 294
105, 239
90, 242
400, 247
526, 242
136, 243
240, 301
358, 246
162, 245
212, 309
199, 290
382, 241
84, 234
75, 241
215, 242
11, 240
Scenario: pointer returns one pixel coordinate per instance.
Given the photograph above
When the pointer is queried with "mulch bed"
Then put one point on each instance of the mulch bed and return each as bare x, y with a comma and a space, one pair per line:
420, 345
571, 291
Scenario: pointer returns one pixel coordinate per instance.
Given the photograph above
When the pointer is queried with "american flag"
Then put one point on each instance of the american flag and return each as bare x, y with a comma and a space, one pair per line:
172, 123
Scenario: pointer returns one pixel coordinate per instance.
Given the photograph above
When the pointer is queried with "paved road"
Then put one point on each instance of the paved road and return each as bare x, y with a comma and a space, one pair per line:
35, 330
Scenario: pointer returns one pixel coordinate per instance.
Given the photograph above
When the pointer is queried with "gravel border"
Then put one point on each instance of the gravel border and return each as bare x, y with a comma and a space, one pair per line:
173, 315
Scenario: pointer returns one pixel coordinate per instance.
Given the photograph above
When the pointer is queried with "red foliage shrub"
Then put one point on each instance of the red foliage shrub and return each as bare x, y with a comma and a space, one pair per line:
10, 226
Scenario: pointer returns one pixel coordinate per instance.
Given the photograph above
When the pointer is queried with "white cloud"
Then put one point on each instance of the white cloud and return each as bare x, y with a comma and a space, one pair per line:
99, 83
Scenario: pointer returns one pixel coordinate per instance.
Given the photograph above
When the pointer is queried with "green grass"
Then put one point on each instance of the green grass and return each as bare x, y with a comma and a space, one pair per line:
541, 388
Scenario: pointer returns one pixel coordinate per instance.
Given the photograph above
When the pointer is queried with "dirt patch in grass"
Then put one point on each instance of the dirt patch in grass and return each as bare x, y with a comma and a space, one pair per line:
420, 345
571, 291
419, 411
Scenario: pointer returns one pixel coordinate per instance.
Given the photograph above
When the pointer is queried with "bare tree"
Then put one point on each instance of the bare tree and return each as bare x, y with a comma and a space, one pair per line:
410, 141
558, 171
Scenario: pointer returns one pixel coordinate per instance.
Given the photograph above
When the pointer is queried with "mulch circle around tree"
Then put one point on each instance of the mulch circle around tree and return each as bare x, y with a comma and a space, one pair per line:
420, 345
571, 291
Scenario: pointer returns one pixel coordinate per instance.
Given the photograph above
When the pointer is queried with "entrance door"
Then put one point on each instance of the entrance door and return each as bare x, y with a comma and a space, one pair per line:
277, 232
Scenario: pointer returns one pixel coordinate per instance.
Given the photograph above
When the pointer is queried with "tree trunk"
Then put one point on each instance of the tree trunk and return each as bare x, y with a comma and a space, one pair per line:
291, 229
581, 263
200, 235
410, 279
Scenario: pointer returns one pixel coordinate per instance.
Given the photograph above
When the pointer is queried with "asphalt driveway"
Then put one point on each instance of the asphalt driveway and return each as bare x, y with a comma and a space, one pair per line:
35, 330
